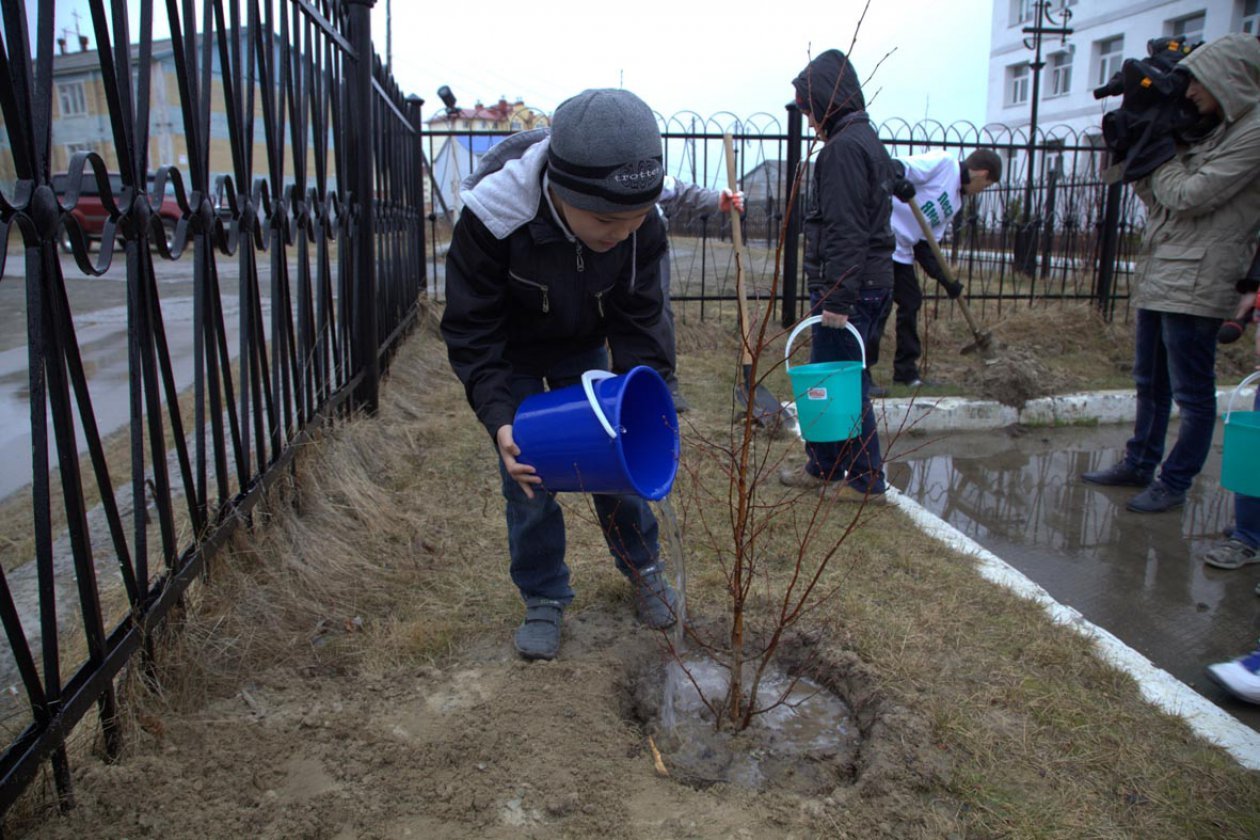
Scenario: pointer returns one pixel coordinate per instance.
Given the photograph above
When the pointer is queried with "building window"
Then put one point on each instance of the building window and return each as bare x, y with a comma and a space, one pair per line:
1191, 27
1110, 58
1022, 11
1060, 73
1250, 19
73, 102
1017, 84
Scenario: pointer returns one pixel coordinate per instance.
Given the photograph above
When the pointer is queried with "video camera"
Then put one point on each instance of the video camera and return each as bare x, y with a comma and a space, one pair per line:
1154, 110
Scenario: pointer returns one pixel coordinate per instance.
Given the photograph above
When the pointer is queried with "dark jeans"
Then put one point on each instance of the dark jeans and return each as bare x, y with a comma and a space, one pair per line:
856, 460
1174, 359
907, 296
536, 539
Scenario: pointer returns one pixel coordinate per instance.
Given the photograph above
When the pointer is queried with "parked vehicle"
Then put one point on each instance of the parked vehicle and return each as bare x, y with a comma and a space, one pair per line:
91, 215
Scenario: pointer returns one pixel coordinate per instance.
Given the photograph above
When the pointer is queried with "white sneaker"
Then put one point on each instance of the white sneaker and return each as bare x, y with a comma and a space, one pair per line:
1241, 677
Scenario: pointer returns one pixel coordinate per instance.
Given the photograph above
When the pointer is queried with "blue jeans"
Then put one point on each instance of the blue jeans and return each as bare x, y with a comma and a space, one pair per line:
1247, 511
536, 540
856, 460
1174, 359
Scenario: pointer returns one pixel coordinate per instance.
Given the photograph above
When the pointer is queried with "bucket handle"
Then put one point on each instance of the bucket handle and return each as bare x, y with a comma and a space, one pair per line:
588, 386
1229, 407
809, 322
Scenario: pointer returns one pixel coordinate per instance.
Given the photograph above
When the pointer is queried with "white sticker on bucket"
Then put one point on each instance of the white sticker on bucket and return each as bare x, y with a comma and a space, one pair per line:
816, 393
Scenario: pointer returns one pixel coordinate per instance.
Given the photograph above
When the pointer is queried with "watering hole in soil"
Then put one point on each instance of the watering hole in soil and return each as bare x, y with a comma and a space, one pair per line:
803, 736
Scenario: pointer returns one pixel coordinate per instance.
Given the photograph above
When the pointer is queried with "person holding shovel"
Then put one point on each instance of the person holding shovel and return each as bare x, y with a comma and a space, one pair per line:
848, 245
938, 182
556, 255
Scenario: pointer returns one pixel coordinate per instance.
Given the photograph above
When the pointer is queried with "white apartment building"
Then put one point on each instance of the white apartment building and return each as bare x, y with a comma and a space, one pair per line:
1105, 33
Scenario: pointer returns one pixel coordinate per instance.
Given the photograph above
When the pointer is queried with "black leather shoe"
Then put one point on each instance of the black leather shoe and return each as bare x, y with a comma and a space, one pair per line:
1156, 499
1120, 475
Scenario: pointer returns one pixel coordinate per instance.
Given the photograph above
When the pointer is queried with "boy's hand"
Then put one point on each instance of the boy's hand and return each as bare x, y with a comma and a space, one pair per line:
727, 198
834, 320
524, 474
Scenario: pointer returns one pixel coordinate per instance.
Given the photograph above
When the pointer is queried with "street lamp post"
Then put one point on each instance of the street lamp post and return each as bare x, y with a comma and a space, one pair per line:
1045, 21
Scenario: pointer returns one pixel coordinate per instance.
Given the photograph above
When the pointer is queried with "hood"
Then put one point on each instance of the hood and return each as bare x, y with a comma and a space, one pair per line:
829, 87
506, 188
1229, 68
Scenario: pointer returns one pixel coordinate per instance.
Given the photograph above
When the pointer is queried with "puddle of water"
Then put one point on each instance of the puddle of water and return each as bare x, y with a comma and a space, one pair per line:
1136, 575
803, 723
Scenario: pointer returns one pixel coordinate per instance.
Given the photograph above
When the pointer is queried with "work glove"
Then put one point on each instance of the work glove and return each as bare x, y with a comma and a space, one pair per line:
727, 198
1233, 329
903, 189
953, 288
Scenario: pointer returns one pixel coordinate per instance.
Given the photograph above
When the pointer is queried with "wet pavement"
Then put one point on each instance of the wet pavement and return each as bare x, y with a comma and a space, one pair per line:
1017, 493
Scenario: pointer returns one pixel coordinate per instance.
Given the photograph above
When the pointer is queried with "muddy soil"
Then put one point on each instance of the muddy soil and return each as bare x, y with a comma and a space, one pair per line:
487, 746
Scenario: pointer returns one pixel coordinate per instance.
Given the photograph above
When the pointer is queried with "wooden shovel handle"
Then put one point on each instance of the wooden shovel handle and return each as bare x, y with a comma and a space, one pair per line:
940, 260
737, 239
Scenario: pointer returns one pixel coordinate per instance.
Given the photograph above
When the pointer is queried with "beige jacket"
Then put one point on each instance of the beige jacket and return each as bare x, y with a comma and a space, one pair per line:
1204, 205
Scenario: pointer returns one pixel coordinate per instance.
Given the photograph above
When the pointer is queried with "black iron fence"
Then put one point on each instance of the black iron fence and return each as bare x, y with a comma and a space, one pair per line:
1052, 239
213, 228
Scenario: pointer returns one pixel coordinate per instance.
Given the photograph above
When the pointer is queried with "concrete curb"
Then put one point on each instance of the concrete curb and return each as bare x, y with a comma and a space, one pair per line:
960, 414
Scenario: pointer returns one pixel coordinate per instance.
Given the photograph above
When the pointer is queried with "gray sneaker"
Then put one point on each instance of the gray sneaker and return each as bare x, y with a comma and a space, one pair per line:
1231, 554
655, 600
538, 637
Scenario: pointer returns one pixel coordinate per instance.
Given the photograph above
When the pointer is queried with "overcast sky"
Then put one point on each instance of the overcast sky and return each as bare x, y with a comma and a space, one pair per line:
677, 55
682, 56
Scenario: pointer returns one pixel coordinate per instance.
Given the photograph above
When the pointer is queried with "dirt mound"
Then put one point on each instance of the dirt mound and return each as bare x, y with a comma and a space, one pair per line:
1012, 377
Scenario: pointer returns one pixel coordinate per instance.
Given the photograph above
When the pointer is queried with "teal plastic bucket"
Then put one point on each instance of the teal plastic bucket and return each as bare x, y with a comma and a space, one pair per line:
1240, 457
609, 434
828, 395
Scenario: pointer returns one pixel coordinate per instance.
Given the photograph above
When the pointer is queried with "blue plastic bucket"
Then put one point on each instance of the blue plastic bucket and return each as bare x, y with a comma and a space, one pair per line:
1240, 457
610, 434
828, 395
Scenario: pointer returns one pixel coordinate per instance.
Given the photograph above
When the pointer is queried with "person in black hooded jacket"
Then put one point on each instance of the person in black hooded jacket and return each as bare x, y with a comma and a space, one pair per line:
848, 250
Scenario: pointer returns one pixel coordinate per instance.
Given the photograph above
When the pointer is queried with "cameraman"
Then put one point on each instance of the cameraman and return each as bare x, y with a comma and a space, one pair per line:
1203, 207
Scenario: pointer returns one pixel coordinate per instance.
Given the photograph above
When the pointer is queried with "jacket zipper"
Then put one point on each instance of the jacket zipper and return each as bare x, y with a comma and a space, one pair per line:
581, 263
546, 298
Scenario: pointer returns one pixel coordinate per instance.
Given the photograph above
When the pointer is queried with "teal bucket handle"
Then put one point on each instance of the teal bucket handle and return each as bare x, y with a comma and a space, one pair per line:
1229, 407
809, 322
588, 387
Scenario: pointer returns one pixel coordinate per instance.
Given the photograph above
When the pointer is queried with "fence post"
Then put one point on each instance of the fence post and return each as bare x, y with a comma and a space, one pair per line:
416, 155
359, 140
792, 235
1107, 248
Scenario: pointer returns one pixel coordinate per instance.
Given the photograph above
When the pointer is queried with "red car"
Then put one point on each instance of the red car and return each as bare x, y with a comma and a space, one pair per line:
91, 214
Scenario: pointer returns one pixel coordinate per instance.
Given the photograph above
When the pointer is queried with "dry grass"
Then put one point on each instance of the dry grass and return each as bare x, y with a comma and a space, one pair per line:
387, 549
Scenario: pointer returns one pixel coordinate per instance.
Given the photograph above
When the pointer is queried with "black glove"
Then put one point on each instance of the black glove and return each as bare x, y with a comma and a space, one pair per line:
903, 189
1251, 283
952, 288
1232, 330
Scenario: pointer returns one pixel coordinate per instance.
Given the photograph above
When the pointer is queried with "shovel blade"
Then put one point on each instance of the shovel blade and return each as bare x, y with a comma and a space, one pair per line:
765, 409
983, 345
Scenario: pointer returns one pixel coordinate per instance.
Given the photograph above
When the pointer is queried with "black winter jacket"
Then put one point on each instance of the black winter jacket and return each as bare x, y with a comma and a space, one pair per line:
519, 302
848, 238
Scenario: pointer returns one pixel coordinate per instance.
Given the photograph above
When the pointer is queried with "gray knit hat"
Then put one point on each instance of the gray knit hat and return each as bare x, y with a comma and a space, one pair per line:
605, 153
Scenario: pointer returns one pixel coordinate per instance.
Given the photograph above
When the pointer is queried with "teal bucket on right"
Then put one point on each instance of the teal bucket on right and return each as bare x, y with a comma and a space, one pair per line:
1240, 457
828, 395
